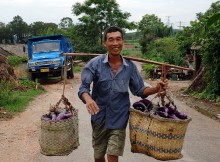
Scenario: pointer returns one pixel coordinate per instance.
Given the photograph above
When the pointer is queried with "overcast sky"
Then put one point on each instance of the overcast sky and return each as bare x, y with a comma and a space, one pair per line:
172, 11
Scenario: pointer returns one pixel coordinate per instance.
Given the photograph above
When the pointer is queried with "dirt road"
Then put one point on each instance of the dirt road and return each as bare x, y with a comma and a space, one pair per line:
19, 136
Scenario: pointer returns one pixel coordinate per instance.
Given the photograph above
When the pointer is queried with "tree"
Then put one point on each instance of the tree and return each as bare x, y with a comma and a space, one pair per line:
65, 23
40, 28
18, 27
36, 28
151, 28
208, 38
165, 50
96, 15
3, 33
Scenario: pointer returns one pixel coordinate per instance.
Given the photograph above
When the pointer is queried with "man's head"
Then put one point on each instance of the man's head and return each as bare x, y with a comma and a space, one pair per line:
113, 40
112, 29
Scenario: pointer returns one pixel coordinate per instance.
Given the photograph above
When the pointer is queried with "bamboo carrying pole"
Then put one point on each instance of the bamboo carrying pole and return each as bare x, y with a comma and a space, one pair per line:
133, 59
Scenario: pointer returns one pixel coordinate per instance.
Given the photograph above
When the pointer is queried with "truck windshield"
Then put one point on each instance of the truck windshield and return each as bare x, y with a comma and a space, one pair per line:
46, 47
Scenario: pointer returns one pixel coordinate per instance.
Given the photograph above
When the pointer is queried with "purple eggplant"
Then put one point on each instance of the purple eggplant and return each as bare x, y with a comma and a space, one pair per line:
173, 116
139, 106
172, 109
181, 115
147, 103
163, 109
163, 114
67, 115
53, 116
60, 116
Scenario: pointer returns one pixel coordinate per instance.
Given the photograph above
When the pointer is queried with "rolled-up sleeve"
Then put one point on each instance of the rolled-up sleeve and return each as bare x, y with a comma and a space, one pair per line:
86, 78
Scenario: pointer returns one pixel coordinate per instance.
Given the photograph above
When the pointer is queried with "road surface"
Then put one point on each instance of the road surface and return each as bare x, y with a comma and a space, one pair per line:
19, 136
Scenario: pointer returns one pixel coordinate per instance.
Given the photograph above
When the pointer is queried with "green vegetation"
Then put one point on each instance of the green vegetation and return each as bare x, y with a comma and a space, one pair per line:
153, 39
14, 97
164, 50
77, 69
14, 60
204, 33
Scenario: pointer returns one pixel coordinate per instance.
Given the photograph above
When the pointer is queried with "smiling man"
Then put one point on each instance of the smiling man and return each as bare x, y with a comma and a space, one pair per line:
109, 103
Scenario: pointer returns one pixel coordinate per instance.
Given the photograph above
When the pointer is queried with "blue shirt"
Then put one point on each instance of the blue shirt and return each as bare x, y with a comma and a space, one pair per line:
111, 93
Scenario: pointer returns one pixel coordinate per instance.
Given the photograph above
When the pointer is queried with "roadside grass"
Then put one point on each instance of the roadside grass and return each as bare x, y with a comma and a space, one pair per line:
77, 69
14, 60
15, 97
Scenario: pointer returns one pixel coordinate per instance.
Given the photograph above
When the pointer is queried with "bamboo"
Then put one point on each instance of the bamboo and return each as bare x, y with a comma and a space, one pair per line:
133, 59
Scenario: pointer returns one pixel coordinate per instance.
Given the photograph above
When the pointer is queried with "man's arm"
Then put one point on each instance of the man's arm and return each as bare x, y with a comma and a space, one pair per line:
161, 87
91, 105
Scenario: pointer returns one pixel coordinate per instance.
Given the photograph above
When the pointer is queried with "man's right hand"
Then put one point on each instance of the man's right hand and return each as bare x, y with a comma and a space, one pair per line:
91, 105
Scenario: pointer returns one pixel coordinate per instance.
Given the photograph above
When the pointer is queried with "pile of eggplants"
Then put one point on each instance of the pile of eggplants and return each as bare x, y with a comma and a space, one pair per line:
169, 110
57, 115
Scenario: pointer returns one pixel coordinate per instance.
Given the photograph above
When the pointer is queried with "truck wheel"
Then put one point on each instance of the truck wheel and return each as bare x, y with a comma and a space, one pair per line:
70, 74
31, 76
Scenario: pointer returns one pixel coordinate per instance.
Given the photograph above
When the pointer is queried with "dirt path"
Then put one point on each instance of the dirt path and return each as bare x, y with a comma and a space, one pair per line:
19, 136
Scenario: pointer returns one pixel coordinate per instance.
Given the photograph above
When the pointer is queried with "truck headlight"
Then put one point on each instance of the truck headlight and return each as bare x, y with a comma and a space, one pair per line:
56, 62
32, 63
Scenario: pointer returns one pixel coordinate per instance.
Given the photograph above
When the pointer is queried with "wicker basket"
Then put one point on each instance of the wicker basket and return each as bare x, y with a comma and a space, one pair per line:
155, 136
59, 137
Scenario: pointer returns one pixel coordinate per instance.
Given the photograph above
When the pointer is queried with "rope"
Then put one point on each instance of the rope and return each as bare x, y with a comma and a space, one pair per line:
64, 74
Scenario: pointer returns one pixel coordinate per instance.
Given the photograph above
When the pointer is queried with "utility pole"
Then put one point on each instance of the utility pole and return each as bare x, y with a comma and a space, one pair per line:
180, 24
168, 21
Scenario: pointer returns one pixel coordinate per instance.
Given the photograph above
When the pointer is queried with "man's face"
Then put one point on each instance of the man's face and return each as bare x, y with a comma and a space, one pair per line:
114, 43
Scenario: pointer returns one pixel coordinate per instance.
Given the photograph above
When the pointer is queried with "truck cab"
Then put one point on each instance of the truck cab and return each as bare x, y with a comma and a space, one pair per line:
45, 57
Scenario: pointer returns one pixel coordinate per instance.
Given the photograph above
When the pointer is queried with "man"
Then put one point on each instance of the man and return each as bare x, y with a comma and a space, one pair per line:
109, 103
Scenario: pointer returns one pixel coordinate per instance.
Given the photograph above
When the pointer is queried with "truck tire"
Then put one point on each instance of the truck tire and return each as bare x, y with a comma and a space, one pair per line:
70, 74
31, 76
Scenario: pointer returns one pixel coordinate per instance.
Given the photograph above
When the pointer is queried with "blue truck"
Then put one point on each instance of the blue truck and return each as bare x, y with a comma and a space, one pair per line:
45, 57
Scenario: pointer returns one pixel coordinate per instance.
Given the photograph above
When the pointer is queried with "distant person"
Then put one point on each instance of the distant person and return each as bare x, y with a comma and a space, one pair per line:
109, 103
24, 48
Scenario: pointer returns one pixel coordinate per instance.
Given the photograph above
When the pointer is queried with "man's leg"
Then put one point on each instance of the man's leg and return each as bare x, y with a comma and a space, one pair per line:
112, 158
116, 143
99, 141
100, 160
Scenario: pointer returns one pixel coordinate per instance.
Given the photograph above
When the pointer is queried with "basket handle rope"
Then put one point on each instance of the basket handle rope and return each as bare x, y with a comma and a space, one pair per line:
63, 99
162, 94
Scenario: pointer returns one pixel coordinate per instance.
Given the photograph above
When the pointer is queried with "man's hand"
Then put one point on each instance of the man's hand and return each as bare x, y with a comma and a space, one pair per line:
91, 105
162, 86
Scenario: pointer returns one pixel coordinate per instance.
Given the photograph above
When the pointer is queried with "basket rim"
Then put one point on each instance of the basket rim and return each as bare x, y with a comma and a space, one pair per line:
189, 118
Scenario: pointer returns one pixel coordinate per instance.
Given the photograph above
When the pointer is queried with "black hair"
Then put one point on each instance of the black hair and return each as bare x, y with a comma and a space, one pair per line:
112, 29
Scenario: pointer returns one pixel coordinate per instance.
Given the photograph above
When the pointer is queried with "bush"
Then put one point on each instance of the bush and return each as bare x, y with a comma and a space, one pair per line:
16, 98
77, 69
14, 60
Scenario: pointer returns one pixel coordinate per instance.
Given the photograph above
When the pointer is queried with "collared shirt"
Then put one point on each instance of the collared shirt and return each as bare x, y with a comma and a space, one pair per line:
111, 92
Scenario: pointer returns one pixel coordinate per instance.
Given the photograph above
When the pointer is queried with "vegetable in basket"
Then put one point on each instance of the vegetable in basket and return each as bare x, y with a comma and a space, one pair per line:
143, 105
170, 111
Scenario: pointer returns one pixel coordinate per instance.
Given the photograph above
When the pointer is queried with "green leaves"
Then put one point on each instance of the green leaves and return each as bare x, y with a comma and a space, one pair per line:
213, 19
94, 16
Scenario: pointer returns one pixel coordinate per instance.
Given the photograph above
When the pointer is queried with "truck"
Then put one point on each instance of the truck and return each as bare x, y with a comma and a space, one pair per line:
45, 57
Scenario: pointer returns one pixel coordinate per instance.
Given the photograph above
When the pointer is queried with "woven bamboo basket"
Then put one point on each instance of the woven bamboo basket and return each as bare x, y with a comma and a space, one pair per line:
160, 138
59, 137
